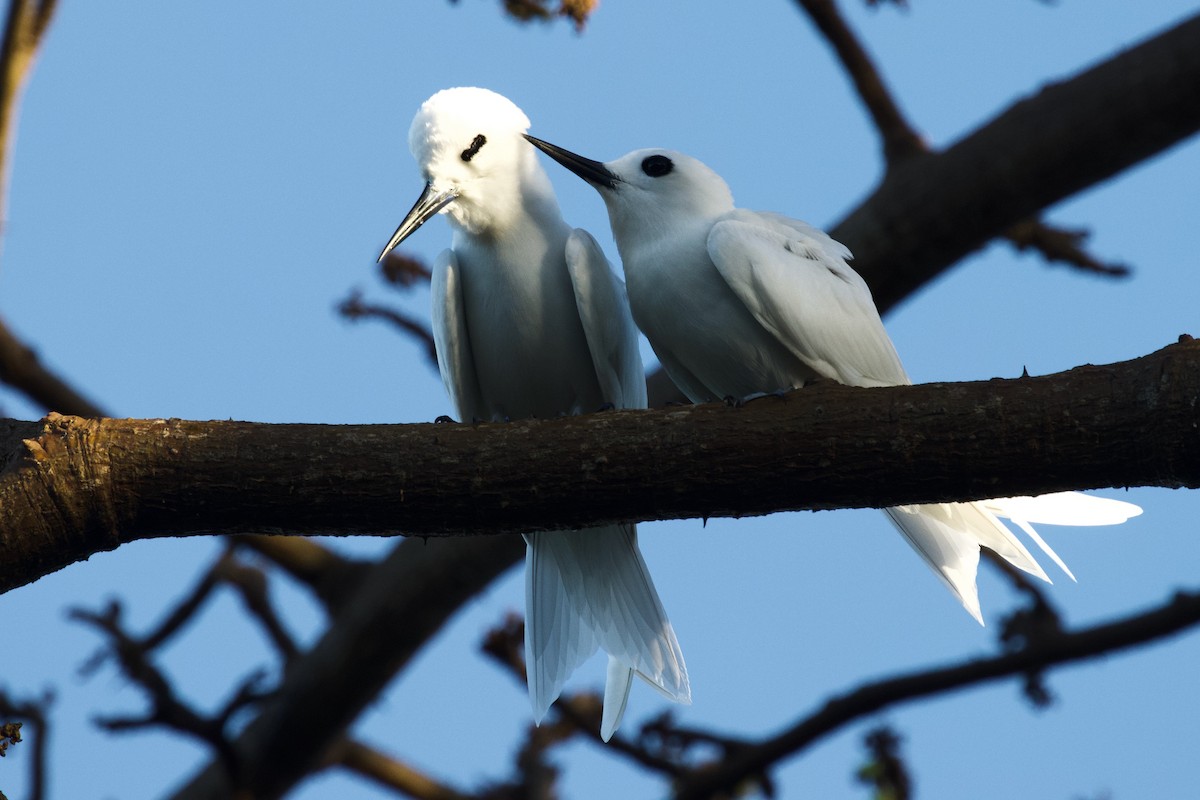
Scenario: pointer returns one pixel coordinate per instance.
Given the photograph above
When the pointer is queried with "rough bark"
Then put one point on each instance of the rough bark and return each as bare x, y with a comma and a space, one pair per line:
73, 487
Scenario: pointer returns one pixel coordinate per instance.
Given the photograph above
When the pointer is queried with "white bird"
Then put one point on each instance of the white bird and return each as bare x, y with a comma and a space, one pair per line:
738, 302
529, 320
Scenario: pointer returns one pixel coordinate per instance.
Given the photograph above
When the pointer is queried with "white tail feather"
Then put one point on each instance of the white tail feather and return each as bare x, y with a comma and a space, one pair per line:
948, 535
587, 589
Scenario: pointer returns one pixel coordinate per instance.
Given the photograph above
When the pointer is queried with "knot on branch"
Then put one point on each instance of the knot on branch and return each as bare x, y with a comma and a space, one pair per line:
67, 472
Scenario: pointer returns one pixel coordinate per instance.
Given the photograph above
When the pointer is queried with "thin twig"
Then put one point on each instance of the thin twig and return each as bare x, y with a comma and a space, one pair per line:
899, 138
390, 773
36, 713
1062, 246
354, 308
1177, 615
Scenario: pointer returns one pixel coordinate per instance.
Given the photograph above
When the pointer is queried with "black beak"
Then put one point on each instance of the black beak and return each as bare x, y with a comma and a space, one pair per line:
591, 171
426, 206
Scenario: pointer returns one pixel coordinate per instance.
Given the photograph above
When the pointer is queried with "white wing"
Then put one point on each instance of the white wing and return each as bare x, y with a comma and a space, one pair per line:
607, 323
795, 280
455, 360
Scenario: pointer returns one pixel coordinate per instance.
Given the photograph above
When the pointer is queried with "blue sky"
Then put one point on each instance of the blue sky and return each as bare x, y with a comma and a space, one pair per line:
195, 186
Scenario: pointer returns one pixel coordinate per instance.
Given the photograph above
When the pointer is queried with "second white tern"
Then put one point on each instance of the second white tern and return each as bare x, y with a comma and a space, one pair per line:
529, 320
737, 303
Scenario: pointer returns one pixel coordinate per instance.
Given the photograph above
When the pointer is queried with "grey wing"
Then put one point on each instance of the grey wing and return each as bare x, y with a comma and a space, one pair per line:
455, 360
795, 280
607, 323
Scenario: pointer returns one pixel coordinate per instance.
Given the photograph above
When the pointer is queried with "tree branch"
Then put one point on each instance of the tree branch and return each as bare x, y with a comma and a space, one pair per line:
73, 487
404, 601
931, 210
1179, 614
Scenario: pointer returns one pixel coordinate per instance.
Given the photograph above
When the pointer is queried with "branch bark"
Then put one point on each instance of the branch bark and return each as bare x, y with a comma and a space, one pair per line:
73, 487
933, 209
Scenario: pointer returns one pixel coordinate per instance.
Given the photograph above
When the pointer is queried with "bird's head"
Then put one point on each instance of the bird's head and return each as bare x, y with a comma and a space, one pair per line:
651, 191
467, 144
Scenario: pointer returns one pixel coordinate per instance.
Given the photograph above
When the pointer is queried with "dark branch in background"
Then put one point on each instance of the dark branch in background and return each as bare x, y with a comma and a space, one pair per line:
931, 210
133, 656
21, 369
505, 644
900, 138
401, 604
901, 142
1063, 246
25, 26
545, 11
332, 578
389, 773
1176, 616
355, 308
885, 772
74, 487
14, 714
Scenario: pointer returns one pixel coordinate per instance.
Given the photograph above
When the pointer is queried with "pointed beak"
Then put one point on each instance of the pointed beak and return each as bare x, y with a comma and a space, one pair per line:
591, 171
428, 204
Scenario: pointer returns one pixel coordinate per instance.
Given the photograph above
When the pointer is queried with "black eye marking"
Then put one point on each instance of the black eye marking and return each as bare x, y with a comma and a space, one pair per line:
479, 141
657, 166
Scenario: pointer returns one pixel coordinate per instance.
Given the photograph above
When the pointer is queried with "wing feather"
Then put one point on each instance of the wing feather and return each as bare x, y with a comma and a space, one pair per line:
795, 280
607, 323
456, 362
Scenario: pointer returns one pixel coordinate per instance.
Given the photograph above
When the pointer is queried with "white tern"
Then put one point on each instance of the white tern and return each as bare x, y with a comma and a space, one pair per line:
737, 302
529, 320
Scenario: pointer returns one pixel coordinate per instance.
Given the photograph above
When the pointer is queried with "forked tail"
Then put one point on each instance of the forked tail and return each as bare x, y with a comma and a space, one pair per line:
587, 589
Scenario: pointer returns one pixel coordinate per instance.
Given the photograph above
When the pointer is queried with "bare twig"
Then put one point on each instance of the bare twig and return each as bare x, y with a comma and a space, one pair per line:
35, 712
166, 709
504, 643
391, 773
21, 369
1062, 246
899, 138
885, 772
331, 577
355, 308
1042, 653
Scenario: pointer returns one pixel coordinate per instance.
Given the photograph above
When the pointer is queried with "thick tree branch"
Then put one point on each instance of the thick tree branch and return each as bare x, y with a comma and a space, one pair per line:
74, 487
933, 209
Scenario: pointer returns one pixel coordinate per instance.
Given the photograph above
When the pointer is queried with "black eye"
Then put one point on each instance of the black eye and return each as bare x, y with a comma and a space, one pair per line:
657, 166
479, 141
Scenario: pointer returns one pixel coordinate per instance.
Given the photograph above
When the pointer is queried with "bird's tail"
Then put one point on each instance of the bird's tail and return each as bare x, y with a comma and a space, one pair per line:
948, 535
587, 589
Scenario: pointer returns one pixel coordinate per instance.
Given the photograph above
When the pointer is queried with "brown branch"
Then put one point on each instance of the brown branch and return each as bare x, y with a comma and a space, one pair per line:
36, 713
405, 600
74, 487
931, 210
25, 26
355, 308
1062, 246
899, 138
332, 578
1181, 613
166, 708
21, 369
389, 773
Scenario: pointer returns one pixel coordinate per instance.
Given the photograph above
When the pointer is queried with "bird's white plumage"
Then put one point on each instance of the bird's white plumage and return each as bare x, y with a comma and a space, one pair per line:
530, 320
737, 302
